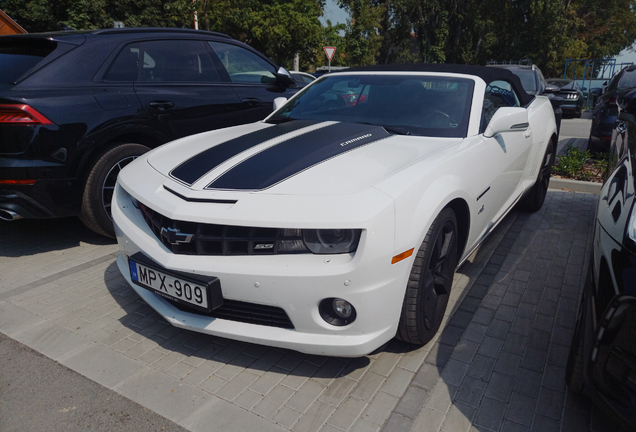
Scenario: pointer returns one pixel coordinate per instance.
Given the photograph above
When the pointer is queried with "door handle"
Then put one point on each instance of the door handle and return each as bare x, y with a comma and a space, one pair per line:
252, 102
161, 105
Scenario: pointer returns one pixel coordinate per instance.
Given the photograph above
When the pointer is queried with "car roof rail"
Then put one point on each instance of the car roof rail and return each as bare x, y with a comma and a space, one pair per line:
522, 62
157, 30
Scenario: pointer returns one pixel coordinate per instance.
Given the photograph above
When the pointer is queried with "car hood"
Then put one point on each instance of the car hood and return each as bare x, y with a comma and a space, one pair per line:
298, 157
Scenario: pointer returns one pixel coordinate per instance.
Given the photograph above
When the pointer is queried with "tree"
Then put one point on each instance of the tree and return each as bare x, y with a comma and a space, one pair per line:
331, 36
362, 38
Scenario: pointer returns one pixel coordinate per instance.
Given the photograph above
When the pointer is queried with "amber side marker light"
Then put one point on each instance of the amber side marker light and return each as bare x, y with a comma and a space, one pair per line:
17, 182
22, 115
402, 256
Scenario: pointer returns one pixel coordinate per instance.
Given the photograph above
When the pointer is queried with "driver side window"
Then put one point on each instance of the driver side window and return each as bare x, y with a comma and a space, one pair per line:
498, 94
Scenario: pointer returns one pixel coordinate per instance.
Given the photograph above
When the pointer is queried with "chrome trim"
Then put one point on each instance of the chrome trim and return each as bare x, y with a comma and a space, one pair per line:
9, 215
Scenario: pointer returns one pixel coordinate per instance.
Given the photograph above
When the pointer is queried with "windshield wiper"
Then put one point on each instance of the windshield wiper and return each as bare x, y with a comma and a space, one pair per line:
393, 129
279, 120
397, 130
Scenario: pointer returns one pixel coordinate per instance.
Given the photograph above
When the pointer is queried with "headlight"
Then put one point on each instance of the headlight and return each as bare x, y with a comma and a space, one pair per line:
331, 241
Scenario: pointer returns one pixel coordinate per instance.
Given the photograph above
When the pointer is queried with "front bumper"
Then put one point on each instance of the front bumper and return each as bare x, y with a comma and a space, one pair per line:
294, 283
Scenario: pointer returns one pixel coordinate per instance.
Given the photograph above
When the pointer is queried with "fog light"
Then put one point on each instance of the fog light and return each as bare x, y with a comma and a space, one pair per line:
337, 312
342, 308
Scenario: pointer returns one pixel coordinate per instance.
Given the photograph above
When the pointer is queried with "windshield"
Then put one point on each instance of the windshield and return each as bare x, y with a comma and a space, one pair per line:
561, 83
421, 105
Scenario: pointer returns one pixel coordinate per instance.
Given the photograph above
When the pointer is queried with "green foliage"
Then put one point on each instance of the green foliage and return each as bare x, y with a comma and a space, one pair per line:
476, 31
578, 164
378, 31
332, 35
362, 40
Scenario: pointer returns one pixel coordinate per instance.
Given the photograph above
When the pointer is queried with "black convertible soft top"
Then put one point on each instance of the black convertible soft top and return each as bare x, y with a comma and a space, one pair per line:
488, 74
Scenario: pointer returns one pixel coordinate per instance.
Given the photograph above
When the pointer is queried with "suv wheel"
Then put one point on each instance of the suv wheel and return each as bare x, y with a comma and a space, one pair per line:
100, 185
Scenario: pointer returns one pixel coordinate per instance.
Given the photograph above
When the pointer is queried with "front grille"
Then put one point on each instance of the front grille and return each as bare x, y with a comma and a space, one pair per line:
191, 238
249, 313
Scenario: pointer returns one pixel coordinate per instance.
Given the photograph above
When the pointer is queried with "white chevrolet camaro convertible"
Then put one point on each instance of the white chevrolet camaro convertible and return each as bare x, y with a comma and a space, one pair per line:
336, 223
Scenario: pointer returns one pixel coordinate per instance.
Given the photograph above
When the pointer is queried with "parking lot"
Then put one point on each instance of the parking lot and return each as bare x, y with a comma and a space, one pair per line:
498, 363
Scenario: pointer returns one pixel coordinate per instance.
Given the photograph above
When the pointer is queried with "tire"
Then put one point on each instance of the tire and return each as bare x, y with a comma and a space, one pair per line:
430, 282
577, 114
100, 184
536, 196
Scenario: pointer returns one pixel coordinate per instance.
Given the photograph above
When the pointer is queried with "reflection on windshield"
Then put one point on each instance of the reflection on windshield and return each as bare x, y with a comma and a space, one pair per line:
405, 104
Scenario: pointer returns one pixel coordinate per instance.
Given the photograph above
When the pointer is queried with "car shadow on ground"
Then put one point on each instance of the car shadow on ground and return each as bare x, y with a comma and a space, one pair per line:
26, 237
503, 354
164, 339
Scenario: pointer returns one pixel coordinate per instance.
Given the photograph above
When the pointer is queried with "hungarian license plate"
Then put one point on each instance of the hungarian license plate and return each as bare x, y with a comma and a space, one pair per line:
173, 286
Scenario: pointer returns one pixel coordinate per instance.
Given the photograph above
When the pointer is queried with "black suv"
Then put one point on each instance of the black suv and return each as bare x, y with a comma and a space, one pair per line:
76, 107
606, 109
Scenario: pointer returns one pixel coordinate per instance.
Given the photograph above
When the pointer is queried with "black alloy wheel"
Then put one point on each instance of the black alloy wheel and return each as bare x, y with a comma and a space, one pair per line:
430, 282
96, 211
108, 187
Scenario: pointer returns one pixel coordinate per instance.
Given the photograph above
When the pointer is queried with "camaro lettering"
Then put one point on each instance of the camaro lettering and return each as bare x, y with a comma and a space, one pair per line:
355, 139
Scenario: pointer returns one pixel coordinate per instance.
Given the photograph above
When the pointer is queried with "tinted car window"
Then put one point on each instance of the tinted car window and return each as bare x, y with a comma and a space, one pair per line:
628, 79
126, 65
242, 65
177, 60
18, 56
527, 78
301, 78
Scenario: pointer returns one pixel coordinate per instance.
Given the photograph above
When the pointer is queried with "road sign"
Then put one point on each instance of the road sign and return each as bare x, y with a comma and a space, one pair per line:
329, 51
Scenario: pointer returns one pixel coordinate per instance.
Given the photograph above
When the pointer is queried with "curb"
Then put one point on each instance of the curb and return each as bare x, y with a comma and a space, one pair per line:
575, 185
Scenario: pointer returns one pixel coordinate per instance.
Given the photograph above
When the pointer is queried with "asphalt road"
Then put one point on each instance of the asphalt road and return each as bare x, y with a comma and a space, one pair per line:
39, 394
576, 128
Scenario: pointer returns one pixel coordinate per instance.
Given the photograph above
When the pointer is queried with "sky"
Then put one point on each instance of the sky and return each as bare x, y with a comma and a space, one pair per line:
333, 13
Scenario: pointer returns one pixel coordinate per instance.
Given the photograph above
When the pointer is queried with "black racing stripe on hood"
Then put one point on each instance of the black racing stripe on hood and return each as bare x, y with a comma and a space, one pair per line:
197, 166
290, 157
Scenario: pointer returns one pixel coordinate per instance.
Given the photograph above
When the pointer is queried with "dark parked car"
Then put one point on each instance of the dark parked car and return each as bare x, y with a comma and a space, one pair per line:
606, 109
534, 83
75, 107
602, 358
572, 95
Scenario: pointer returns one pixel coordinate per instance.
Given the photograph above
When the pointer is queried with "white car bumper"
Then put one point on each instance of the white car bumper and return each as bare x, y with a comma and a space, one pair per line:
294, 283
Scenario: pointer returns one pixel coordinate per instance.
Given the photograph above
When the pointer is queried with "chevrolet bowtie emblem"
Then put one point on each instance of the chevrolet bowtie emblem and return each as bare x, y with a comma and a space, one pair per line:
175, 237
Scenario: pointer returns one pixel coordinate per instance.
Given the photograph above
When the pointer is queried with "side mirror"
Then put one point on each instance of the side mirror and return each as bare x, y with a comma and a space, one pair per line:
551, 88
506, 120
285, 77
279, 102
